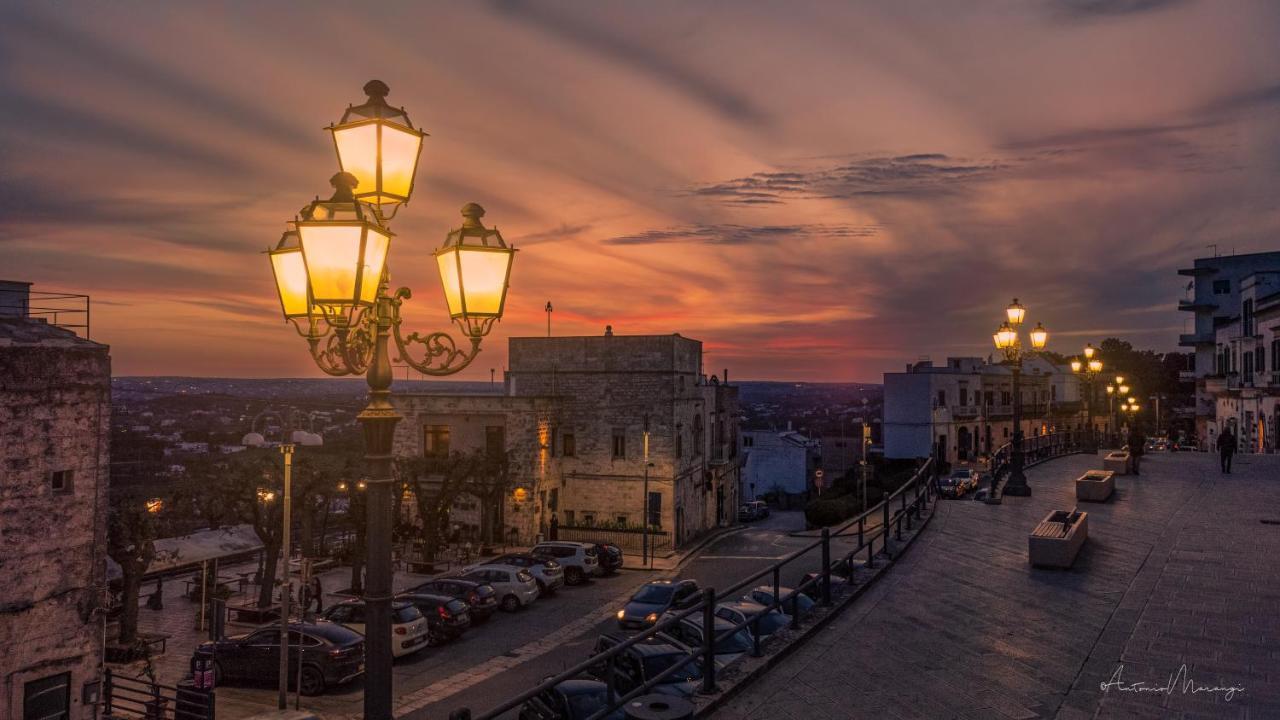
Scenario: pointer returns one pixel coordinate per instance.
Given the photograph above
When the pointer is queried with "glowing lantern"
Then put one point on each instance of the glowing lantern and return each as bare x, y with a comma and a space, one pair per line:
1016, 312
379, 146
344, 248
1039, 337
1005, 337
475, 267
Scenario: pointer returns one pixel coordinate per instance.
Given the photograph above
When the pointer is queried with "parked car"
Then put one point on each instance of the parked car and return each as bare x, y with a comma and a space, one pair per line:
480, 597
958, 483
609, 557
546, 571
760, 508
763, 595
728, 646
408, 627
645, 661
331, 655
655, 598
516, 588
578, 558
767, 622
576, 699
447, 616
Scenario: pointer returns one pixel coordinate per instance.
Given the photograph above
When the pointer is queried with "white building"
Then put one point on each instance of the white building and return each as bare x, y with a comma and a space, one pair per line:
1242, 379
778, 462
1216, 297
963, 411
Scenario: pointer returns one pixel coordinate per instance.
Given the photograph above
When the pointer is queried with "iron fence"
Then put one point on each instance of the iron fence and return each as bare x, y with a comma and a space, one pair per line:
125, 698
629, 540
1036, 450
880, 523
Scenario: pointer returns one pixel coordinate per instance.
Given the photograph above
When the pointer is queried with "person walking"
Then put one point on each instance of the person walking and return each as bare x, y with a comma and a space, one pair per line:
317, 595
1137, 446
1226, 449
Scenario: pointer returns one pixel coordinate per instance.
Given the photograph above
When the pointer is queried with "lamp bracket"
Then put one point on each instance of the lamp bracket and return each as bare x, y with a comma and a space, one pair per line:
442, 356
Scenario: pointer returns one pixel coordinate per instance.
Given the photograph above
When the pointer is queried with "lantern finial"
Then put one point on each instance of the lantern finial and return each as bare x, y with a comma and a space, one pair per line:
343, 184
472, 212
376, 90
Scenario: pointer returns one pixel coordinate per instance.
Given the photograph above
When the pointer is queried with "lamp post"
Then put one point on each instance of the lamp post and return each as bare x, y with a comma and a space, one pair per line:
332, 278
1007, 341
1088, 367
286, 449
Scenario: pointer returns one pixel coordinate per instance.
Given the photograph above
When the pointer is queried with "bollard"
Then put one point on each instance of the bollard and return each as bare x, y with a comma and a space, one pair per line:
755, 637
709, 640
826, 567
777, 588
659, 707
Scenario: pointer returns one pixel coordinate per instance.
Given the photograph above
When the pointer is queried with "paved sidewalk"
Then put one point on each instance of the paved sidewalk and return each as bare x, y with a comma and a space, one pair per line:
1179, 570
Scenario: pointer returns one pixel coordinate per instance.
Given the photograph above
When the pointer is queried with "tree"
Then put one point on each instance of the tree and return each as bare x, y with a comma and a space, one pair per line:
131, 535
437, 483
247, 488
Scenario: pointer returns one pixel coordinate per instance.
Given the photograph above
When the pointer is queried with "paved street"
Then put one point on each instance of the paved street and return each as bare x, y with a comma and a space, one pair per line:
1179, 570
497, 660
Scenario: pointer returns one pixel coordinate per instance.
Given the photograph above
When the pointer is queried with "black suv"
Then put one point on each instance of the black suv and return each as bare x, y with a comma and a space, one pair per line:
482, 598
610, 557
331, 655
447, 616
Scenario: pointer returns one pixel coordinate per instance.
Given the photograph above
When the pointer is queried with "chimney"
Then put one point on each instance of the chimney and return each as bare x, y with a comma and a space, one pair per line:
15, 298
726, 376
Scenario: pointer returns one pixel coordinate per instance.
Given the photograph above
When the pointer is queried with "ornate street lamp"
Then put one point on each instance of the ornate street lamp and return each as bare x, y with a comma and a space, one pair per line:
1007, 341
331, 273
1088, 368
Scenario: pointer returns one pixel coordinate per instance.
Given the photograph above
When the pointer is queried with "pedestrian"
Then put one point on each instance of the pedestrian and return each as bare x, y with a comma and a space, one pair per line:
317, 593
1137, 446
1226, 449
553, 531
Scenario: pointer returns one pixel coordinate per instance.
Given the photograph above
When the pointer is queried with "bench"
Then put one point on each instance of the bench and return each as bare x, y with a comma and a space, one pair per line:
1056, 540
253, 614
1096, 486
1117, 462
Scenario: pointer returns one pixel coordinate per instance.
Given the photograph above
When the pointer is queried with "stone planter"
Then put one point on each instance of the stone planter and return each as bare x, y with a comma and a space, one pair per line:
1095, 486
1117, 462
1057, 540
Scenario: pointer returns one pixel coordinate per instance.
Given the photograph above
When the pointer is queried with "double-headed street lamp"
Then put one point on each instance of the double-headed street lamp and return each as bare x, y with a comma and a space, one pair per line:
1118, 388
1007, 341
1088, 367
331, 273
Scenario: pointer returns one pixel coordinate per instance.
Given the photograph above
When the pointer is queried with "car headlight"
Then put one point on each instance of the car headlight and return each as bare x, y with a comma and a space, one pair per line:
651, 618
621, 614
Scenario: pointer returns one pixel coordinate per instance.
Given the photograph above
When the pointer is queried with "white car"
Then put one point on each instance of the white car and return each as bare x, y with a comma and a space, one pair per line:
408, 627
515, 587
546, 572
578, 558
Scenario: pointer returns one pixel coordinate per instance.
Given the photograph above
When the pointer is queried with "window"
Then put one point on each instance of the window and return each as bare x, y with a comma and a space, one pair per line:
1248, 365
748, 441
697, 435
942, 399
1006, 397
569, 446
60, 481
621, 520
568, 517
655, 509
1260, 359
964, 396
495, 441
619, 443
1221, 287
1247, 317
47, 698
553, 499
589, 519
679, 440
435, 441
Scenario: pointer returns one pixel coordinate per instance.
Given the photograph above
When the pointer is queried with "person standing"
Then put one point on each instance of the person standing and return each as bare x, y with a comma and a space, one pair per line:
1226, 449
317, 595
1137, 446
553, 531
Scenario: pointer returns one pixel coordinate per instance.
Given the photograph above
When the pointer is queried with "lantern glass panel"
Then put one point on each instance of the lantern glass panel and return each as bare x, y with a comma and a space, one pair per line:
449, 278
1039, 338
484, 279
291, 281
399, 162
1015, 313
375, 257
332, 254
358, 154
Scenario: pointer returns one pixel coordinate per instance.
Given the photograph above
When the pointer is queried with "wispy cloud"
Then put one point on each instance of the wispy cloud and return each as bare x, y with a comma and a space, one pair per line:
729, 234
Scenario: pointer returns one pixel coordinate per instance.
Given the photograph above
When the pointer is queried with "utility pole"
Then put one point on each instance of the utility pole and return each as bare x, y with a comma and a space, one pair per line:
287, 450
548, 308
644, 517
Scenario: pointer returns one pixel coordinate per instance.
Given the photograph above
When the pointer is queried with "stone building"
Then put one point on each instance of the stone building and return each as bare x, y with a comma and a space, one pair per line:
1242, 380
581, 418
963, 411
54, 419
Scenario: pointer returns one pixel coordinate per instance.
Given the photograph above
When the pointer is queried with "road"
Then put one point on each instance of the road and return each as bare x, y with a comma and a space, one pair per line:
513, 652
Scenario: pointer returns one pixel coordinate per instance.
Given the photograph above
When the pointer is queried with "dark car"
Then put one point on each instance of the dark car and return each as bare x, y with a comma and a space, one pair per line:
763, 595
576, 699
331, 655
481, 598
767, 622
728, 646
644, 661
447, 616
653, 599
610, 557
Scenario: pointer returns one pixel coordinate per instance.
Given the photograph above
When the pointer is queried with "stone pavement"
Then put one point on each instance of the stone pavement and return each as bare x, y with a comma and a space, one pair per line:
1179, 570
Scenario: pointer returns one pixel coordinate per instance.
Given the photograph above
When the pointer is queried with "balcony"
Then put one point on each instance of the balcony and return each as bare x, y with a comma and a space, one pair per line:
1194, 306
965, 411
1193, 339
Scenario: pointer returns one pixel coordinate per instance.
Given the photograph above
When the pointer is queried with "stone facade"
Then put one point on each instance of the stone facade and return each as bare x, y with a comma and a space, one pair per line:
55, 394
583, 416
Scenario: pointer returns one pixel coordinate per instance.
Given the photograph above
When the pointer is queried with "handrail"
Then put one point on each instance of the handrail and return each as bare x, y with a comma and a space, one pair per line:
923, 490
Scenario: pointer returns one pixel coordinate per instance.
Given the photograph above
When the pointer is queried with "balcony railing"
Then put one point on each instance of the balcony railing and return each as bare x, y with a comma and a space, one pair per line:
965, 411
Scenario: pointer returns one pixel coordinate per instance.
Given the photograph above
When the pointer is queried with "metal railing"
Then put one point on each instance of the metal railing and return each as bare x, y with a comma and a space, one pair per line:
124, 697
630, 540
905, 505
1035, 450
69, 311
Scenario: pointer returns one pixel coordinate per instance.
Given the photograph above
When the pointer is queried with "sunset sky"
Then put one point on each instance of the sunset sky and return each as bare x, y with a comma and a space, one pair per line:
818, 191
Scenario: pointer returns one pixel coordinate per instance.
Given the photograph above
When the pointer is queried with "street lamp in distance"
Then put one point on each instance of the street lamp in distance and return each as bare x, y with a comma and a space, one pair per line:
1007, 341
